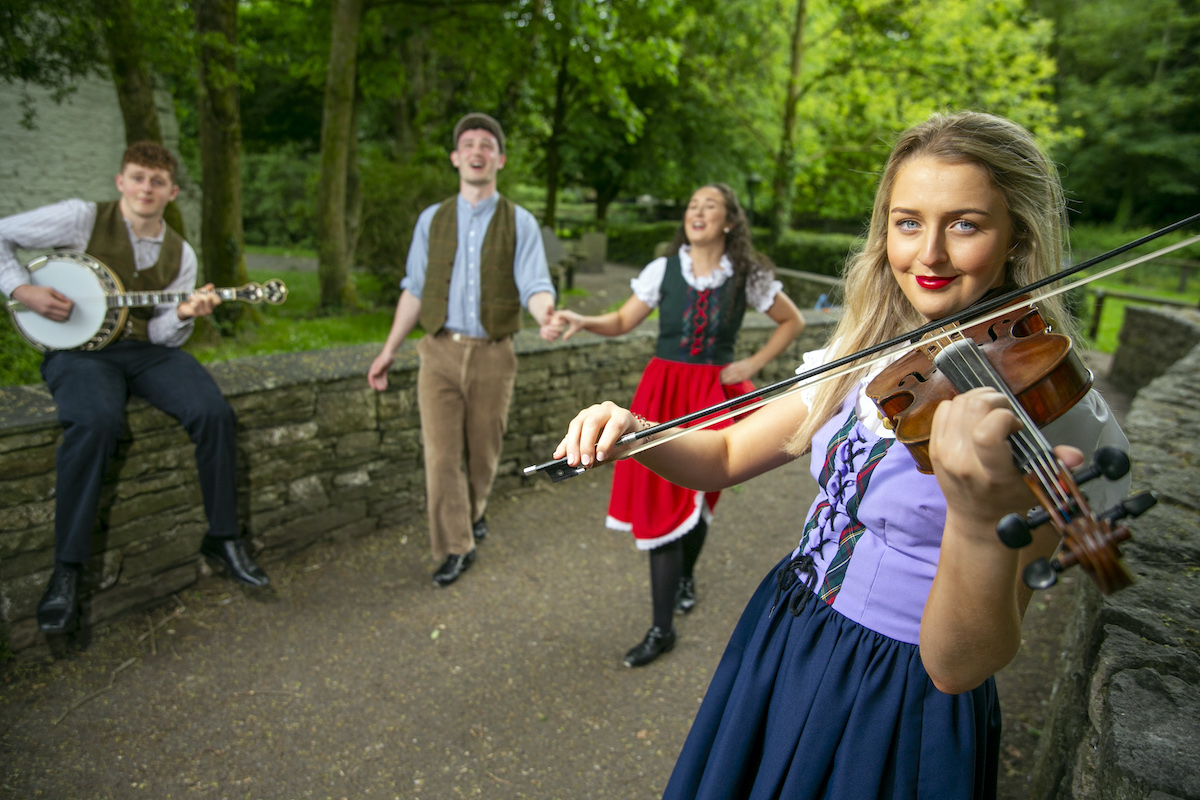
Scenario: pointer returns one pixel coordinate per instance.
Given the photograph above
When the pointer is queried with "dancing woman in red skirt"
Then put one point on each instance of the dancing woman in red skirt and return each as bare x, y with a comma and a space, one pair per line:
701, 288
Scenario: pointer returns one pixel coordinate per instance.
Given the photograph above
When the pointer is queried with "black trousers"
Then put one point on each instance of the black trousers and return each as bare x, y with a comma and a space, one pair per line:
91, 390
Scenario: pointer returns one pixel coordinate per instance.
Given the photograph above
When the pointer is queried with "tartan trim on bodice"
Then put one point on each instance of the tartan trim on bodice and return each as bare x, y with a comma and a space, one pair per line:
845, 475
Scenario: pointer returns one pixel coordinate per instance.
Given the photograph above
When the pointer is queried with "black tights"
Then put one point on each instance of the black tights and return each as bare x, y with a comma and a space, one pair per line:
668, 564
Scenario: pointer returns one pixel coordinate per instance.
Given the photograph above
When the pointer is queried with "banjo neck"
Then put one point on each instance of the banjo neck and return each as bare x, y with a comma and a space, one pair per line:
143, 299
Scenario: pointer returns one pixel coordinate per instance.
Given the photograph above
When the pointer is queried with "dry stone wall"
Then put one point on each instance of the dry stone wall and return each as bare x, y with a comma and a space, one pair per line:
1124, 718
321, 456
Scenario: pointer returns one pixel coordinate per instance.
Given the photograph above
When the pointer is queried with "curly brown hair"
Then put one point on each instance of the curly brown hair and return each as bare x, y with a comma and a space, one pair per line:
151, 155
739, 244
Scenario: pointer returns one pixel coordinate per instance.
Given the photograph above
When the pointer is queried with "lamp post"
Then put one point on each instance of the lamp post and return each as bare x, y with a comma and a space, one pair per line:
752, 182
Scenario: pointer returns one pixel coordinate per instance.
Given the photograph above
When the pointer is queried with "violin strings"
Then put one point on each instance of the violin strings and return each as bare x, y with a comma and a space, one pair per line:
1029, 442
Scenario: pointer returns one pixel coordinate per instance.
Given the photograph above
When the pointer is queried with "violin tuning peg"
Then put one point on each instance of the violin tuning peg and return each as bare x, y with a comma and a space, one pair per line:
1110, 462
1132, 507
1013, 530
1041, 574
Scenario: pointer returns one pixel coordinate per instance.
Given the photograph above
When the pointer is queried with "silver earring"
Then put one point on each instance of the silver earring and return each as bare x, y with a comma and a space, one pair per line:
728, 229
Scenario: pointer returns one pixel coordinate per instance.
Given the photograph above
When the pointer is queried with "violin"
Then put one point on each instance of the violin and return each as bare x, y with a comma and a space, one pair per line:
1038, 370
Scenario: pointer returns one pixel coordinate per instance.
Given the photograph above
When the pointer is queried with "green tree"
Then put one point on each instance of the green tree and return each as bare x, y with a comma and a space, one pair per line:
45, 43
872, 68
220, 149
1128, 78
339, 129
132, 78
591, 54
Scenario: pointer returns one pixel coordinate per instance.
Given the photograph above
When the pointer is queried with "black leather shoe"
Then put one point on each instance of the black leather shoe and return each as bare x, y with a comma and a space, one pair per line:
231, 554
454, 566
479, 529
58, 611
656, 643
685, 596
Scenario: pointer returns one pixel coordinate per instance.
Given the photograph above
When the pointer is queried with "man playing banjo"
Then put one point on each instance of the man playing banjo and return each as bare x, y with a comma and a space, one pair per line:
129, 237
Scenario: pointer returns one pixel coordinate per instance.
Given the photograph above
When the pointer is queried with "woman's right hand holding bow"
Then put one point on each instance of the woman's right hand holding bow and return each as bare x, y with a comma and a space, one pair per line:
593, 433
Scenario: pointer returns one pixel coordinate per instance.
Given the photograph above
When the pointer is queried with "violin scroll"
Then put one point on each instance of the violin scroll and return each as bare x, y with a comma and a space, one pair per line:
1108, 574
1108, 462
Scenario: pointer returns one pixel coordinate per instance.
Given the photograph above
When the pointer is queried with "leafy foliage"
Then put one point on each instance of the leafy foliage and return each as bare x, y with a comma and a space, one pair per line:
279, 196
45, 43
1128, 86
394, 195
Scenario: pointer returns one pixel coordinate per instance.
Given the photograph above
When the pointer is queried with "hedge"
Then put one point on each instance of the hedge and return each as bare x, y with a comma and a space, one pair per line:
823, 253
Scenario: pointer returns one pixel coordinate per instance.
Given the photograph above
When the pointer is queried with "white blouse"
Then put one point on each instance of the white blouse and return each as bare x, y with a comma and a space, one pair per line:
647, 286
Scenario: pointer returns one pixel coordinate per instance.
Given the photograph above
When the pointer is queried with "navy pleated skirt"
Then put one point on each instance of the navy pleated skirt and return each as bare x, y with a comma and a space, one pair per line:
815, 706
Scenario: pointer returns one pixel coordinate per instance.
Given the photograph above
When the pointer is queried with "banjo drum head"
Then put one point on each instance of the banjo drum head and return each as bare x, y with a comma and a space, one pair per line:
80, 278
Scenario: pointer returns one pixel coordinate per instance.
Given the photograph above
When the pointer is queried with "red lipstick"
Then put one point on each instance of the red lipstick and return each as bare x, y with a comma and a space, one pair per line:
933, 282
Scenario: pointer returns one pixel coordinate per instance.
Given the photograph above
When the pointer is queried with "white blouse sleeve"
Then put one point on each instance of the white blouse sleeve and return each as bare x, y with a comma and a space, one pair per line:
647, 286
761, 291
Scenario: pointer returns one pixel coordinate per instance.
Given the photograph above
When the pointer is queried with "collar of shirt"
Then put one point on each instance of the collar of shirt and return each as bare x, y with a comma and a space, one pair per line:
145, 248
714, 279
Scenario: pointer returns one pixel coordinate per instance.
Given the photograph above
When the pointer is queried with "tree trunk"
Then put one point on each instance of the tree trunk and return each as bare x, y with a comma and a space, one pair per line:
553, 156
785, 162
354, 195
220, 151
135, 90
337, 132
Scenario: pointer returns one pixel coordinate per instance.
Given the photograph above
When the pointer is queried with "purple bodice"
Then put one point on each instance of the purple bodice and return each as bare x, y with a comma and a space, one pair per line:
874, 530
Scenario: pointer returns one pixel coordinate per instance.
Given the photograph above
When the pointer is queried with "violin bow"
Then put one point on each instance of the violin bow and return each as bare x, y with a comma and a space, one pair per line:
559, 470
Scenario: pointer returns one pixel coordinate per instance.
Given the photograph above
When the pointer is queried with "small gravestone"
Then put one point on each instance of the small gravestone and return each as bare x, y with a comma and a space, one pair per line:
592, 249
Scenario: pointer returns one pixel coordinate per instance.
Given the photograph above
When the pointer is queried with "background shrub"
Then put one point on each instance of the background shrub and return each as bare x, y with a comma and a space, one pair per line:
394, 195
279, 191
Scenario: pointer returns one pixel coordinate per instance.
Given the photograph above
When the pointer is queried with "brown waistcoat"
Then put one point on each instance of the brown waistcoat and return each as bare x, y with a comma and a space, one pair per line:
500, 300
110, 245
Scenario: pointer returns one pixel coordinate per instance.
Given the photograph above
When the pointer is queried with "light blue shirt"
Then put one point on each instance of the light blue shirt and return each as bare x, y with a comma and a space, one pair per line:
529, 262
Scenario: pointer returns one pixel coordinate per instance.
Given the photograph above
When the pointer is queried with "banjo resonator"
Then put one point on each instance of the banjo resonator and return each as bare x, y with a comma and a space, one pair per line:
101, 303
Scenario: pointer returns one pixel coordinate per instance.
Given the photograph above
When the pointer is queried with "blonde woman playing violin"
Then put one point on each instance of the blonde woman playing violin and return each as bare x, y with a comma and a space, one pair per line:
863, 664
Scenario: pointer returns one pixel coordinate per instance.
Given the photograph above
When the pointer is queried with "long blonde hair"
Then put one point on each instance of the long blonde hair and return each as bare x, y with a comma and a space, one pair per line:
874, 307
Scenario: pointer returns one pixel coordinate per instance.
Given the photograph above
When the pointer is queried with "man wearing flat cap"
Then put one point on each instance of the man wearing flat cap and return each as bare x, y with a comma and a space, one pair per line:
475, 260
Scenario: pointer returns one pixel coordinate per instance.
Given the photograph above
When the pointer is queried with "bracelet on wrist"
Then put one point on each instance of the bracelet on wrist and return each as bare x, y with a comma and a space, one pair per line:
644, 424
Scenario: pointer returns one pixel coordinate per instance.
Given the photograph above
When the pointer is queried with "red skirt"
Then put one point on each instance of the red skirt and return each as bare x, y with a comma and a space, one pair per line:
655, 510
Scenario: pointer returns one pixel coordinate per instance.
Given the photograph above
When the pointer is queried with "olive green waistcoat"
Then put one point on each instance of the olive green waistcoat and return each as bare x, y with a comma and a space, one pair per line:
499, 298
110, 246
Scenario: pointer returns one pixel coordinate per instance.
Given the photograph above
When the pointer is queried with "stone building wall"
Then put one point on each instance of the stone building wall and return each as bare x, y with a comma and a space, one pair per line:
1124, 718
321, 456
75, 149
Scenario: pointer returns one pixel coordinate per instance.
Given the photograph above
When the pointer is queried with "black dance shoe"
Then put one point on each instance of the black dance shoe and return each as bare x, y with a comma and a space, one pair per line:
58, 611
685, 596
231, 554
656, 643
479, 529
454, 566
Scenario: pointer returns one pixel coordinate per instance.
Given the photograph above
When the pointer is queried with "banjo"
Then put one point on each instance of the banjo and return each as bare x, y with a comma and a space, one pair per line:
101, 303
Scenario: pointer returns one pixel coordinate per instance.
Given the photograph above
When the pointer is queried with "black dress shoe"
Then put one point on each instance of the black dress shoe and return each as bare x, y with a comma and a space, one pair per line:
479, 529
656, 643
231, 554
58, 611
685, 596
454, 566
